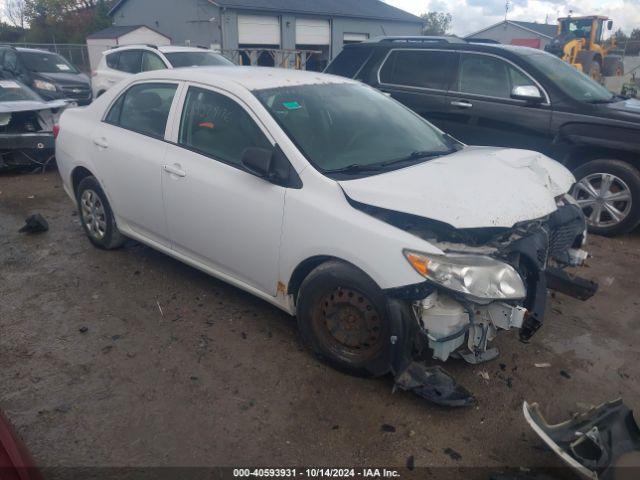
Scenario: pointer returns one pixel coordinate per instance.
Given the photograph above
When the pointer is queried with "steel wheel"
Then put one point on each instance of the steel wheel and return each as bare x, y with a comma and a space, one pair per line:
93, 214
348, 325
605, 199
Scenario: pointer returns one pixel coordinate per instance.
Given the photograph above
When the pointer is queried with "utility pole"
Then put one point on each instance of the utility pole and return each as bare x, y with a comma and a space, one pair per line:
507, 7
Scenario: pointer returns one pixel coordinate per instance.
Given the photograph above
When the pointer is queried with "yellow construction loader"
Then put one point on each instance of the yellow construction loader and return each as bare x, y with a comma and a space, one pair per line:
579, 42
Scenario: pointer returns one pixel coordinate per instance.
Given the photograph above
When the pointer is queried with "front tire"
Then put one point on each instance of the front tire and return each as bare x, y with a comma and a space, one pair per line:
96, 215
342, 317
609, 193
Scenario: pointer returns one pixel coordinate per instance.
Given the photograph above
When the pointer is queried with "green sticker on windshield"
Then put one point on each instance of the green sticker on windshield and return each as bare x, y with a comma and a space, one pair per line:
291, 105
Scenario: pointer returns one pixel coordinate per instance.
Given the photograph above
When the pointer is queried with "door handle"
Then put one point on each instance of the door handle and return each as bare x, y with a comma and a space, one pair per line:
462, 104
111, 80
174, 170
101, 143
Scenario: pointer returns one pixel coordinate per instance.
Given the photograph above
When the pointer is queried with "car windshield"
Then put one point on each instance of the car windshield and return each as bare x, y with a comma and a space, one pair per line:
575, 84
12, 91
196, 59
352, 129
44, 62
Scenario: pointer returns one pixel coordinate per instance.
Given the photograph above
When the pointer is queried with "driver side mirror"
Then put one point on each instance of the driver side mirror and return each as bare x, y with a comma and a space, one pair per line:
272, 165
610, 25
529, 93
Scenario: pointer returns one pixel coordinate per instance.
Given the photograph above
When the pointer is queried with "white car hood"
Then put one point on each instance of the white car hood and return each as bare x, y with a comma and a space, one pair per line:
473, 188
31, 106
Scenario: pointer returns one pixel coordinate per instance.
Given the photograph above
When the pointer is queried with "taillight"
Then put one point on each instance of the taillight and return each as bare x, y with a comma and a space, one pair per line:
94, 73
56, 131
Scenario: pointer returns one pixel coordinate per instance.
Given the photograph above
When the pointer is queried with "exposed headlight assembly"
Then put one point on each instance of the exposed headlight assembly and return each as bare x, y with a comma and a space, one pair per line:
475, 275
44, 85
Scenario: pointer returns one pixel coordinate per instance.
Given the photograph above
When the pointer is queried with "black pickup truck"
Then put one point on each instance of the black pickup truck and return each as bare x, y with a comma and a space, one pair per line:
500, 95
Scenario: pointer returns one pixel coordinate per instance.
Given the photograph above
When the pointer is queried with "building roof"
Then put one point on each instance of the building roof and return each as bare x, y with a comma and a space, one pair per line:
117, 32
373, 9
540, 29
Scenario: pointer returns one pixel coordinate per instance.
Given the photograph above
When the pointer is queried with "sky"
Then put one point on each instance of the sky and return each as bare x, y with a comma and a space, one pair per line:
472, 15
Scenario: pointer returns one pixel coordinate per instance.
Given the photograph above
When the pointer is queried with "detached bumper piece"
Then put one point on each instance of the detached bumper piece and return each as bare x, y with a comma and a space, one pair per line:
435, 385
575, 287
603, 443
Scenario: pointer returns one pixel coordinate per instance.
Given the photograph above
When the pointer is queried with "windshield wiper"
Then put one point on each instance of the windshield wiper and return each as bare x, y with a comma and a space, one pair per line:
413, 157
419, 155
356, 168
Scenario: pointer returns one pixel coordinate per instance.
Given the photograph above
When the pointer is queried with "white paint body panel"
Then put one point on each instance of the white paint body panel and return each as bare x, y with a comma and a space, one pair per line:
253, 234
476, 187
258, 30
311, 31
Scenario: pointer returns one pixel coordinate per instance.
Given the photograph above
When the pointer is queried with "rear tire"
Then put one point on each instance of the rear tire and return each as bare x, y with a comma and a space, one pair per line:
613, 66
342, 317
96, 215
621, 198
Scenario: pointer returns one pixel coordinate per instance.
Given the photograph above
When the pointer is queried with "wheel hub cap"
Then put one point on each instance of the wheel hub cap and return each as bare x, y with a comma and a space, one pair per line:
604, 198
93, 214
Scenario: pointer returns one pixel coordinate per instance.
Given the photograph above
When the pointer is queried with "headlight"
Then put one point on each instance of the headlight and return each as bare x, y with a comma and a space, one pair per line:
44, 85
475, 275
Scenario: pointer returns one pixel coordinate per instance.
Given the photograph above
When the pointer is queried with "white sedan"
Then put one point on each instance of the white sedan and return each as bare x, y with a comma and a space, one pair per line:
335, 203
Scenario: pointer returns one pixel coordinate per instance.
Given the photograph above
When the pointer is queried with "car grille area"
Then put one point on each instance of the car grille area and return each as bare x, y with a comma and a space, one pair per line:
566, 228
77, 92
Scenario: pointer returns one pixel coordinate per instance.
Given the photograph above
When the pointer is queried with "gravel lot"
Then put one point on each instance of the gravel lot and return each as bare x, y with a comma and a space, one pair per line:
175, 368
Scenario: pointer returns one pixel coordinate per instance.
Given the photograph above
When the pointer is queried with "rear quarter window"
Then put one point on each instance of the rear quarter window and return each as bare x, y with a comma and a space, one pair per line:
112, 60
420, 68
349, 61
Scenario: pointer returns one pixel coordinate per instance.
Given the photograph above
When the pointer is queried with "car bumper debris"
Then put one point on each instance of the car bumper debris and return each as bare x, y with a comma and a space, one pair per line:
602, 443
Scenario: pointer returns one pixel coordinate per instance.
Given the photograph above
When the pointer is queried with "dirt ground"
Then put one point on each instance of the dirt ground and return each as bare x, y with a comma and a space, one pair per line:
175, 368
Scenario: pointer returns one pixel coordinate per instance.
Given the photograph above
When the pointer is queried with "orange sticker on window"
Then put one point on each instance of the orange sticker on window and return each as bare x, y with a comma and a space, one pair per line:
210, 125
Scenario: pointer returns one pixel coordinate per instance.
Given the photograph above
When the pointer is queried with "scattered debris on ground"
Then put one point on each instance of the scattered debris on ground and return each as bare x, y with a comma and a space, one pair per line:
35, 224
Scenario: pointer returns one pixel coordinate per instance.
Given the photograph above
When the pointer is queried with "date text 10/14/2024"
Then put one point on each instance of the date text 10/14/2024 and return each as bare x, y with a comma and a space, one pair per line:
315, 473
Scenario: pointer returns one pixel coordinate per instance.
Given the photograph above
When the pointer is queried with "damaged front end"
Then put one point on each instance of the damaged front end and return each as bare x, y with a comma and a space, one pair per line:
26, 127
488, 279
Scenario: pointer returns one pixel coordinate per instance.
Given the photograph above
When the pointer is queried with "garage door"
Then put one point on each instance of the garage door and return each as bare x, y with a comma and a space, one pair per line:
312, 32
258, 30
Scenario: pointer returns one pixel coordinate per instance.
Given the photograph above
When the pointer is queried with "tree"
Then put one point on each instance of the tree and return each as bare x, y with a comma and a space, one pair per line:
436, 23
10, 33
14, 12
66, 21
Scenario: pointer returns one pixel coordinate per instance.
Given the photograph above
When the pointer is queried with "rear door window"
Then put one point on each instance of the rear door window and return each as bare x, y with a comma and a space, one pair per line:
350, 61
419, 68
144, 109
130, 61
489, 76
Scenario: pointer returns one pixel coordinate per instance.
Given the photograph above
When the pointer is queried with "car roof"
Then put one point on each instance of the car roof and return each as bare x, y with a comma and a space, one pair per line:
161, 48
249, 78
177, 48
35, 50
455, 45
